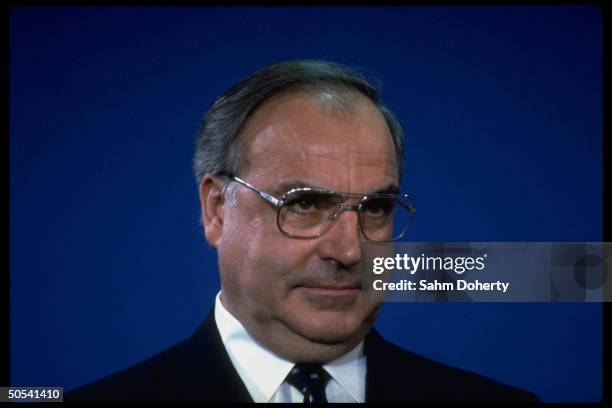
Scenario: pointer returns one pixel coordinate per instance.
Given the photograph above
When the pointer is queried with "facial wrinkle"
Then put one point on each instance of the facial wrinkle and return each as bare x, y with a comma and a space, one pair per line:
291, 138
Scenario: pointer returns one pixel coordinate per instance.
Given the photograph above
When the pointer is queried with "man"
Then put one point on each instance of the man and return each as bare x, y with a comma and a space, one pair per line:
297, 165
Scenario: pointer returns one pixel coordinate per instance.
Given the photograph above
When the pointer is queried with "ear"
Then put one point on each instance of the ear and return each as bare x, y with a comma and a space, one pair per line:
211, 204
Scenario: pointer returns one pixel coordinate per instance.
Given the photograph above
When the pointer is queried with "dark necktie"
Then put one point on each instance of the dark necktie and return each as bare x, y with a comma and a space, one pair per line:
311, 380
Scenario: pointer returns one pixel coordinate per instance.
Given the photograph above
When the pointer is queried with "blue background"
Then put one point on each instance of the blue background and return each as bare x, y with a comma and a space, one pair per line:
502, 110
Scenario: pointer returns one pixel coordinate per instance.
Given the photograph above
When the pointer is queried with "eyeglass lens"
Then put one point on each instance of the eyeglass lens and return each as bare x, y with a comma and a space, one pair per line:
309, 214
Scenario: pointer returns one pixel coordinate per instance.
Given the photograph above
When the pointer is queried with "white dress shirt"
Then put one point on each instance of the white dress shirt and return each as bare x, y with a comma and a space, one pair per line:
263, 372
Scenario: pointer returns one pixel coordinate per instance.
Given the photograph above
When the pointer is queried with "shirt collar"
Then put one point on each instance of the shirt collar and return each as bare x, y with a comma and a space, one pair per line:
260, 369
349, 371
263, 371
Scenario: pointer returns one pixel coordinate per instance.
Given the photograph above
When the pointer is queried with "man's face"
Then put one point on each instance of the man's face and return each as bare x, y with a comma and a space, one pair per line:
301, 298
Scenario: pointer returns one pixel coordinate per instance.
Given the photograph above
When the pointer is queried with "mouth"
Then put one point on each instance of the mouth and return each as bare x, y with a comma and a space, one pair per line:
333, 291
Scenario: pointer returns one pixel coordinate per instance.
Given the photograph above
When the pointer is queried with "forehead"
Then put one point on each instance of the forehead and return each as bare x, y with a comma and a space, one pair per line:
299, 136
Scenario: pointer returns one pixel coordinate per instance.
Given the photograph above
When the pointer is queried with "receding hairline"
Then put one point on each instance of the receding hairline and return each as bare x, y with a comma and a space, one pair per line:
217, 151
339, 100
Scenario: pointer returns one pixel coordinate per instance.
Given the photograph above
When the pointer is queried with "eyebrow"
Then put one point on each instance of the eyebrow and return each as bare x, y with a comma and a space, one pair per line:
390, 189
290, 185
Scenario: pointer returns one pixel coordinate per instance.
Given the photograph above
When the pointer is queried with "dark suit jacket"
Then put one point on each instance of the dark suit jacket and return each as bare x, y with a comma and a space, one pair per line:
199, 369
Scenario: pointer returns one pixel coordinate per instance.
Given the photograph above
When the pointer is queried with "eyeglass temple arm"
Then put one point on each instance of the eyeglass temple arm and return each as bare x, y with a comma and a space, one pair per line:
410, 206
269, 198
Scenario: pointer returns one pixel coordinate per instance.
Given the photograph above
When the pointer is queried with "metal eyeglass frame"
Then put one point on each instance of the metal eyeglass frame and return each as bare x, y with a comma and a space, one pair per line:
279, 203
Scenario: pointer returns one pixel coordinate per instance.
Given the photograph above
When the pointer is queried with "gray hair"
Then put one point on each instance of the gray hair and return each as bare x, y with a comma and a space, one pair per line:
218, 148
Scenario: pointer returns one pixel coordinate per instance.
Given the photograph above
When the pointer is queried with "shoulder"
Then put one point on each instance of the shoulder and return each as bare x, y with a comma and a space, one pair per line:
396, 374
153, 379
197, 368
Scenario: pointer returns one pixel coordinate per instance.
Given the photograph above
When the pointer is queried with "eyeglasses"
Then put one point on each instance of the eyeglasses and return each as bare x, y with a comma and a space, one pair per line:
308, 213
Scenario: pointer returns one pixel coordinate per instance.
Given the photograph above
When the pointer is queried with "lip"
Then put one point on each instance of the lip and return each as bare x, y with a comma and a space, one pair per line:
332, 291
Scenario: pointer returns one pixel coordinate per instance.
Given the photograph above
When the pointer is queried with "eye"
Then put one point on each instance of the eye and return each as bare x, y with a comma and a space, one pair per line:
310, 202
306, 203
378, 206
303, 203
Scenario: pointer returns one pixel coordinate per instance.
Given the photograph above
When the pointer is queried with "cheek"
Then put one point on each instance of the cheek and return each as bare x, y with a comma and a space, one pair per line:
258, 264
257, 241
274, 265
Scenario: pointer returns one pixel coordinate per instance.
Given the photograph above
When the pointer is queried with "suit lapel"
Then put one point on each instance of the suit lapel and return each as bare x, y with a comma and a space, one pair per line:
382, 383
206, 371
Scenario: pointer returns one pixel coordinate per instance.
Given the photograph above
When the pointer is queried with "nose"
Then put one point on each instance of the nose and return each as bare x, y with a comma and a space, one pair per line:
342, 243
